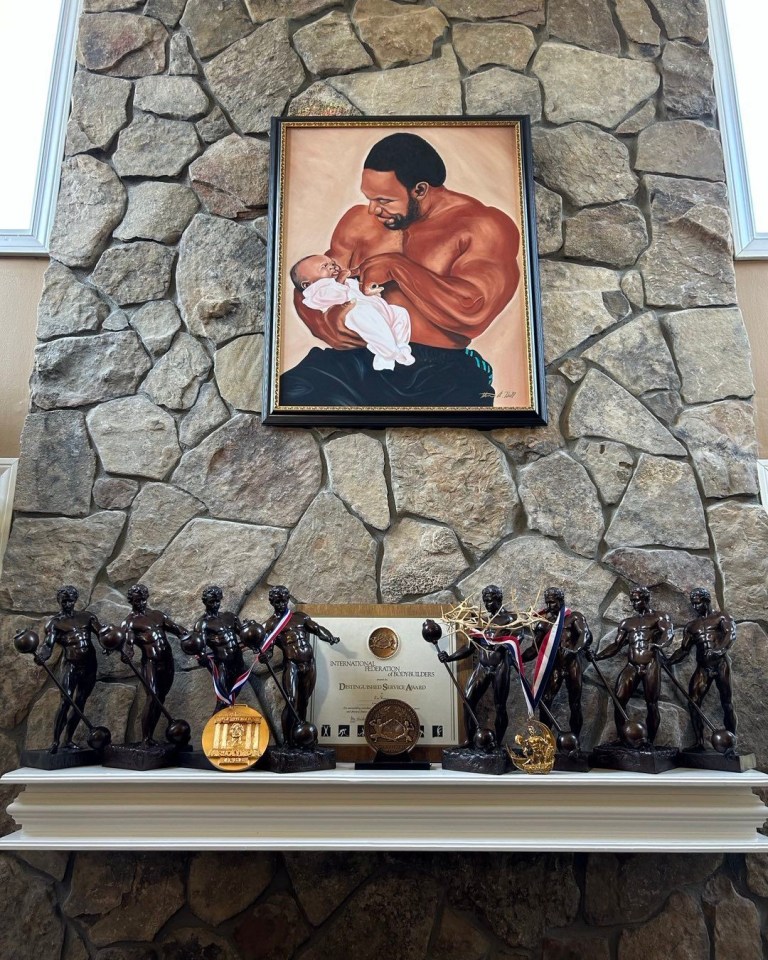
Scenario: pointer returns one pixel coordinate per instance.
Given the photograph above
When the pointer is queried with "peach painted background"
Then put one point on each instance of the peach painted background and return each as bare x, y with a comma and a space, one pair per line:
322, 181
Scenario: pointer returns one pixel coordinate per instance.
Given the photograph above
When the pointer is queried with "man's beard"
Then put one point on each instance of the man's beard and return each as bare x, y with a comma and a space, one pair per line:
402, 220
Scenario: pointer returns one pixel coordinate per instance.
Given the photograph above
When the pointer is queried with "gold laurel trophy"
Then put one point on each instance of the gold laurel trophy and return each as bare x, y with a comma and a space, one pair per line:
236, 736
536, 746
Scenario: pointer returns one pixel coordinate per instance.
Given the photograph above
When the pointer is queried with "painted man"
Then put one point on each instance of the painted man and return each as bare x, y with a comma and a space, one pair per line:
72, 631
645, 636
712, 634
445, 257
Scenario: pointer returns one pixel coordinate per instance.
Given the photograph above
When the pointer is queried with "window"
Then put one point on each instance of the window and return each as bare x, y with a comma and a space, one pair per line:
738, 32
37, 40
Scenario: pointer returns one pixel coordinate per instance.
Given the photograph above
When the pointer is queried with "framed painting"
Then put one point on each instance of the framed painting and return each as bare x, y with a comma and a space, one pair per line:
402, 274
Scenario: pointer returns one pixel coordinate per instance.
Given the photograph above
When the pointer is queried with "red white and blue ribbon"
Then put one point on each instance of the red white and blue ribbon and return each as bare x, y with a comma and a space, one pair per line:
278, 628
545, 659
229, 698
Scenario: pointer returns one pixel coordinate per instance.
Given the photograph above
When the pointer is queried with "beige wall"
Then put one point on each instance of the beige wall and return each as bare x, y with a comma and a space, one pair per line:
21, 282
752, 287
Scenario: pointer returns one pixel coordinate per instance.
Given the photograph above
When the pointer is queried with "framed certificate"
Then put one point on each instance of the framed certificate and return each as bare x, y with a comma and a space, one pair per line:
383, 656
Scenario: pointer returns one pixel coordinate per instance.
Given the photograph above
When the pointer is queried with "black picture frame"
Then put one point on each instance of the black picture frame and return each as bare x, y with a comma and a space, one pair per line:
276, 413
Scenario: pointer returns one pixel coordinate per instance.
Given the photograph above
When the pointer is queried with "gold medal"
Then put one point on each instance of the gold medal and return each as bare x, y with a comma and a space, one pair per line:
392, 727
536, 748
235, 738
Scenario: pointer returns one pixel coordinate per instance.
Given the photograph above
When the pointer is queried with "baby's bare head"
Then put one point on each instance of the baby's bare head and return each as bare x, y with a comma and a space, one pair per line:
314, 267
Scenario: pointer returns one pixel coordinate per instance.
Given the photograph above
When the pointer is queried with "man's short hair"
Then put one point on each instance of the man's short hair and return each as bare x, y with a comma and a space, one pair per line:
137, 591
212, 594
67, 593
279, 593
554, 592
410, 158
640, 592
701, 592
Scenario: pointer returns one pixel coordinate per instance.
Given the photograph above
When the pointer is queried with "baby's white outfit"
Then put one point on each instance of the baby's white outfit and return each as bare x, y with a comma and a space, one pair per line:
385, 327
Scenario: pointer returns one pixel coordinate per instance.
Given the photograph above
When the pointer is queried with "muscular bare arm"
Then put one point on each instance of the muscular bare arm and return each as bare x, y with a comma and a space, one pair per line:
481, 281
613, 648
320, 632
126, 651
728, 627
460, 654
582, 633
666, 631
685, 648
46, 648
172, 627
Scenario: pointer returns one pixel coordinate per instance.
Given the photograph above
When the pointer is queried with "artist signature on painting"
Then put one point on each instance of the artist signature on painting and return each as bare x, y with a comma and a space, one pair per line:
502, 395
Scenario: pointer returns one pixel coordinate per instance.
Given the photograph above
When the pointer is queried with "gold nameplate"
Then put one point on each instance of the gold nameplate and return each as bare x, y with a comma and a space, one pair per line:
235, 738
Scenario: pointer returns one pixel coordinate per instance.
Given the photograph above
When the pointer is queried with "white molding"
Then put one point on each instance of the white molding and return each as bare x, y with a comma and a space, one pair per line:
7, 488
35, 240
100, 808
749, 244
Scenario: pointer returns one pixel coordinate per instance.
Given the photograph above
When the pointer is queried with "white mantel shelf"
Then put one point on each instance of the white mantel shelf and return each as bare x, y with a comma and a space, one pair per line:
97, 808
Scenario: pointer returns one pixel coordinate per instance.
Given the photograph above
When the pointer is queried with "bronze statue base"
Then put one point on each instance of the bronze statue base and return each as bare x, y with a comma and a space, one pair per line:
395, 761
136, 756
467, 760
576, 762
62, 760
194, 760
197, 760
711, 760
615, 756
294, 760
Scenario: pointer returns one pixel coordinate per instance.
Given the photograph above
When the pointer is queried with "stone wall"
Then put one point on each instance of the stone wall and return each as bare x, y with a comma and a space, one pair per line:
145, 400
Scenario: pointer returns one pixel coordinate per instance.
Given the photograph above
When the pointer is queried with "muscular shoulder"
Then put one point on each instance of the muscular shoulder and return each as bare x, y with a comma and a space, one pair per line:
354, 222
484, 221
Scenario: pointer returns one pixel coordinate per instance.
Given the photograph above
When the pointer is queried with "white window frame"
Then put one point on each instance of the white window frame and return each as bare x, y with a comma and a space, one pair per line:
762, 477
748, 242
8, 467
35, 239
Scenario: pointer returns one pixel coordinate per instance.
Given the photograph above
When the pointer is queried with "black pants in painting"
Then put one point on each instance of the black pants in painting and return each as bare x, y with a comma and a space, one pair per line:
346, 378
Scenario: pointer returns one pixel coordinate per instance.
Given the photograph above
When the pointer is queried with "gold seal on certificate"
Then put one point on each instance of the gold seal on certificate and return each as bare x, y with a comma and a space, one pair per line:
392, 727
235, 738
383, 642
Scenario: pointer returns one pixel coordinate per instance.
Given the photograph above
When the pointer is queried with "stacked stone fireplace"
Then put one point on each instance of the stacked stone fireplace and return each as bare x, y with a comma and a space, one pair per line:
143, 456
